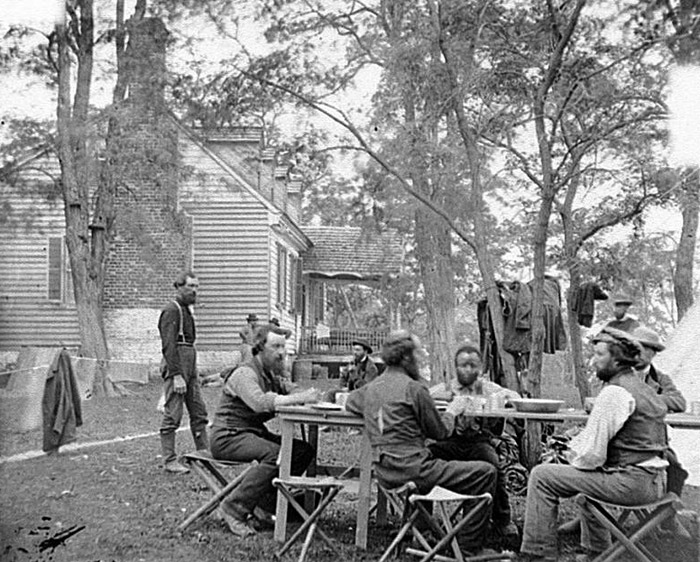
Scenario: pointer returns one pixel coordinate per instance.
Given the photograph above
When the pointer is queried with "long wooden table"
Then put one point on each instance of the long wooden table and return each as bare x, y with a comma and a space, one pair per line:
680, 421
289, 416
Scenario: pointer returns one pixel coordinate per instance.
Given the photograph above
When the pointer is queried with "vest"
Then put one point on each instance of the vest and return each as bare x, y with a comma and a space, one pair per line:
234, 413
643, 435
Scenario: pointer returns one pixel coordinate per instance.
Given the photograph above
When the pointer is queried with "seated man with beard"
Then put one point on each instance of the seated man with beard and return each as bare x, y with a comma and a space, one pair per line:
399, 415
250, 395
617, 457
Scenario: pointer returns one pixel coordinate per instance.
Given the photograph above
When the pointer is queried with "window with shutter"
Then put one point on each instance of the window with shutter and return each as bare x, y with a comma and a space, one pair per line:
59, 278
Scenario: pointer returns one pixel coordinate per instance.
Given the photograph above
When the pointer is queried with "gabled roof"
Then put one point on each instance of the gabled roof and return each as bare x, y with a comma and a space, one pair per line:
348, 253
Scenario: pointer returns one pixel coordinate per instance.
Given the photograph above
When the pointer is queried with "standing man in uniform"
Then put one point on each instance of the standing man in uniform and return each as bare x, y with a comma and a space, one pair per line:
362, 369
179, 370
247, 336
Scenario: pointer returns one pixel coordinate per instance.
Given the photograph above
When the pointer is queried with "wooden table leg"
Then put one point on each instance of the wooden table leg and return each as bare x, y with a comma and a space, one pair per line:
365, 494
284, 462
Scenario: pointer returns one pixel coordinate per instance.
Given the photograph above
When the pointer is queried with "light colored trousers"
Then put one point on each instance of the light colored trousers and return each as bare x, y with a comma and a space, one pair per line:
548, 483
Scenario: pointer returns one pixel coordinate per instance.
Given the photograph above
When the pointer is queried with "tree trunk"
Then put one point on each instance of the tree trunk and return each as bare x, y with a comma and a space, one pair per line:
433, 250
85, 255
685, 255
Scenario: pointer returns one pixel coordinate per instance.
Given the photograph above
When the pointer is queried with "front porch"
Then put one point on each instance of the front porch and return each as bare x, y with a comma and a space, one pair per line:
336, 341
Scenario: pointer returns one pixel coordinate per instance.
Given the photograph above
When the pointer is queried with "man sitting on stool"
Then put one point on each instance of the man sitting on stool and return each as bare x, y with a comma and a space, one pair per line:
399, 415
617, 458
473, 437
249, 397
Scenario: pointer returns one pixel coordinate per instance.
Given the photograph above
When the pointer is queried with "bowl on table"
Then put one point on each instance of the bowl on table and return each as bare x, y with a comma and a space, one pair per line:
537, 405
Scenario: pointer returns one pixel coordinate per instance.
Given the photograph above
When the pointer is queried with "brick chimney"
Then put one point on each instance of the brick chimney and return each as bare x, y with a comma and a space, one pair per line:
145, 59
153, 237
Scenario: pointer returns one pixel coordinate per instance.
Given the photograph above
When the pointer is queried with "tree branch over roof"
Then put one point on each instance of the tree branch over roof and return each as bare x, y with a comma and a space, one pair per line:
340, 118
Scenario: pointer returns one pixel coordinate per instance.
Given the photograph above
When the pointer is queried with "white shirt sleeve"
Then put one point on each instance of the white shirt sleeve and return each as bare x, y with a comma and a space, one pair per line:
589, 449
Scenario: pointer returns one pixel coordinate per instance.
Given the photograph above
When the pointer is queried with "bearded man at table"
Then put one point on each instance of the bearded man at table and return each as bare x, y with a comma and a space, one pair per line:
474, 438
249, 397
618, 457
399, 415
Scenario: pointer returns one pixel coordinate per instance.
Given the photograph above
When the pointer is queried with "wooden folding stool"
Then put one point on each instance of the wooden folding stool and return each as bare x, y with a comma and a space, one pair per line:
649, 517
453, 512
328, 487
207, 469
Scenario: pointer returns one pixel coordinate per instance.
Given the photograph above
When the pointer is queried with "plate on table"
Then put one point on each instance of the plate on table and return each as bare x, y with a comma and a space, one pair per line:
537, 405
326, 406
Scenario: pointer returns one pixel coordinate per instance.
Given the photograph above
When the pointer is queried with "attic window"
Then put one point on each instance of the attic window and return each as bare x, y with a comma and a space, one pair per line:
59, 279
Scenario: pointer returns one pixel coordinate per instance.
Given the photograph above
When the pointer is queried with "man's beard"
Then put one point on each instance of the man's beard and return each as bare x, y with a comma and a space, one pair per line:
277, 368
607, 372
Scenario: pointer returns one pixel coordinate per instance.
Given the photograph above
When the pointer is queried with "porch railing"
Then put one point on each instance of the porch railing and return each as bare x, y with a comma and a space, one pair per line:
337, 341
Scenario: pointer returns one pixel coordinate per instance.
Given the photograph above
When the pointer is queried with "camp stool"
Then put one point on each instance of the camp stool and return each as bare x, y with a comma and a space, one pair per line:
207, 469
452, 512
328, 488
649, 517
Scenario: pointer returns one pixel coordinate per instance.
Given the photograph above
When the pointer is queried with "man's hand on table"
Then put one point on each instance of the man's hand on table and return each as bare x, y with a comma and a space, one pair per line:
458, 405
308, 396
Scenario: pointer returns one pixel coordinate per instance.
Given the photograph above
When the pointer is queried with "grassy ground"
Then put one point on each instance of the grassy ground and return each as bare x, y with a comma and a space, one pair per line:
114, 503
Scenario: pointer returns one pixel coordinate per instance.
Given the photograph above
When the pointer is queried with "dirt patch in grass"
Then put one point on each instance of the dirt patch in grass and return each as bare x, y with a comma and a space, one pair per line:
114, 502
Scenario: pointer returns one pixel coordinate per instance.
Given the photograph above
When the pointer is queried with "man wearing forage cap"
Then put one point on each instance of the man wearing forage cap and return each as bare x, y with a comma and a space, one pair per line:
617, 457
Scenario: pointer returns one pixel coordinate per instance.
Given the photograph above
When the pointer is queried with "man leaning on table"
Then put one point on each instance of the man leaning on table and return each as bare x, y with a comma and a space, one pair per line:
618, 456
249, 397
473, 437
399, 415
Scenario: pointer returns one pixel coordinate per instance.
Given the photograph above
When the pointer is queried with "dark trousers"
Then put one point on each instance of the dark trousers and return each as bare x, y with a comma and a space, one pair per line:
456, 449
256, 488
472, 478
192, 398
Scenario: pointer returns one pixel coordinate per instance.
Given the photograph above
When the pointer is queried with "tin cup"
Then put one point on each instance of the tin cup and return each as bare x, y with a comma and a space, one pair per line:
495, 402
695, 408
476, 404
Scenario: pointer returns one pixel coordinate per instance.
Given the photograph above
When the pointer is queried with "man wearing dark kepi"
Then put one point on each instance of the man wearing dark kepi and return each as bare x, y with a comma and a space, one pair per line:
618, 457
362, 369
623, 321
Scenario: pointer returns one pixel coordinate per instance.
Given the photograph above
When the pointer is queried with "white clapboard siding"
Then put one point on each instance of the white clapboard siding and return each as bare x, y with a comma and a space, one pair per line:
27, 317
230, 259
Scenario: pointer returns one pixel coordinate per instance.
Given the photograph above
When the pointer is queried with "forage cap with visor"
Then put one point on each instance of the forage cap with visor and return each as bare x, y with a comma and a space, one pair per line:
628, 344
648, 338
